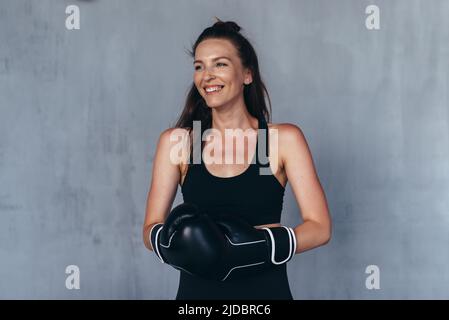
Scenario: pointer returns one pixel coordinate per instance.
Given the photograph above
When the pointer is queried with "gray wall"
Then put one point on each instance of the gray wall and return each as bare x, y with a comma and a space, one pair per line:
81, 111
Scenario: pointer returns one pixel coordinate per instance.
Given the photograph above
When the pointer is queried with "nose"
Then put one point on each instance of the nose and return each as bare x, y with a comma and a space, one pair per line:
208, 74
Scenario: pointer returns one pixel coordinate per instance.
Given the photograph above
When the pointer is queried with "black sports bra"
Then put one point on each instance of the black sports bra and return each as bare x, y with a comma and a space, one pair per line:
257, 198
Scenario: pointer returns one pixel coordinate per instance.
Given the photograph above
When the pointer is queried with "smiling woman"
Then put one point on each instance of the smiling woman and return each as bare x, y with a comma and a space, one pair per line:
225, 59
226, 239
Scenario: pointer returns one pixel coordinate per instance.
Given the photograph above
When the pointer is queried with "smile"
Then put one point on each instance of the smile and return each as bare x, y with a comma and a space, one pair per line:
214, 89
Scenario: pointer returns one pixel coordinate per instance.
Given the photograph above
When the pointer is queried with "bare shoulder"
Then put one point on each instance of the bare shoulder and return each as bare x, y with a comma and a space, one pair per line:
171, 136
288, 132
174, 144
290, 138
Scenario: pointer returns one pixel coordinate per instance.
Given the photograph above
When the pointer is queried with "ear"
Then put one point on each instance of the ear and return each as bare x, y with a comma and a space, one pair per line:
248, 77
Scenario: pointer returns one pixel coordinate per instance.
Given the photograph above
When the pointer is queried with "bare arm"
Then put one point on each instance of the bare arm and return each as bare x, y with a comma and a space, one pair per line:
164, 184
300, 170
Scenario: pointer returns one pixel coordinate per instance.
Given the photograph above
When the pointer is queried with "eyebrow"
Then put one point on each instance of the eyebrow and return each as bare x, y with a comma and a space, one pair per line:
214, 59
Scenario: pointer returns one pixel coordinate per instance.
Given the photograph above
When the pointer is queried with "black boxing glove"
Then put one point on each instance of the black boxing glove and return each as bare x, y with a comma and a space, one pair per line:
248, 250
188, 240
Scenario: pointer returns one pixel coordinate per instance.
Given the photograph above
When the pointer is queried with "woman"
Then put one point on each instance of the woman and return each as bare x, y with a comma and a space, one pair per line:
228, 93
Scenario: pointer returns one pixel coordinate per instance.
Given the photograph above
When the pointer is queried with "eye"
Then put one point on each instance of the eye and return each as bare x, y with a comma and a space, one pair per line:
197, 67
221, 64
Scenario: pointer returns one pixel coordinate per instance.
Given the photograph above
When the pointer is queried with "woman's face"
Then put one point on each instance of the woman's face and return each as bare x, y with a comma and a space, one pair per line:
218, 72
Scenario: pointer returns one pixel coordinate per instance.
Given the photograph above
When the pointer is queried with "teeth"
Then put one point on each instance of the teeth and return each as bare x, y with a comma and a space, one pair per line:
212, 89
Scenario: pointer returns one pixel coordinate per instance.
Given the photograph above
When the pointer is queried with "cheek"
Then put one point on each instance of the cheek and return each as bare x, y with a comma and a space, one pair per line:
236, 78
197, 81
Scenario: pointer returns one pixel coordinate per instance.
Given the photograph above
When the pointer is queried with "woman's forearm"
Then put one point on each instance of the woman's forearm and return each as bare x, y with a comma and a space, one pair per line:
311, 234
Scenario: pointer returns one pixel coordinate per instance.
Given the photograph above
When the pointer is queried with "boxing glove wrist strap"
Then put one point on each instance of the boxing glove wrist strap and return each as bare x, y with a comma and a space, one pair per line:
282, 244
154, 239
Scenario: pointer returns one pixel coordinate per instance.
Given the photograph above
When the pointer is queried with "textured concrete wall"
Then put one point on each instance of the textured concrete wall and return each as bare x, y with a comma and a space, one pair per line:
81, 111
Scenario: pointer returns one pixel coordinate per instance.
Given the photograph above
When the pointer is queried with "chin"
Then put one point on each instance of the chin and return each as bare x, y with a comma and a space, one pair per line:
214, 104
217, 103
